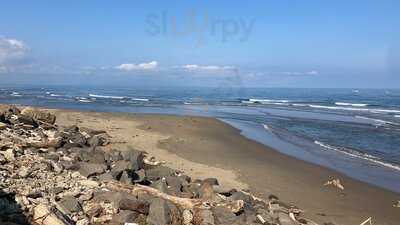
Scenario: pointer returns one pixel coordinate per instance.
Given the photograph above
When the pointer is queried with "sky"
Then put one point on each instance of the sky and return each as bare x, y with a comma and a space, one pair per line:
268, 43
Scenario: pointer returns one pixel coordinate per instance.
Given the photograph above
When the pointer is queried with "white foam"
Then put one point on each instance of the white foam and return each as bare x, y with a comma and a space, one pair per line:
355, 109
140, 99
351, 104
397, 116
54, 95
16, 94
380, 122
84, 100
267, 127
106, 96
359, 155
254, 100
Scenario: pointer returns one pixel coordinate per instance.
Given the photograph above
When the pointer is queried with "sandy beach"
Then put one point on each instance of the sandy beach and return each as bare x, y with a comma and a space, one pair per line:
206, 147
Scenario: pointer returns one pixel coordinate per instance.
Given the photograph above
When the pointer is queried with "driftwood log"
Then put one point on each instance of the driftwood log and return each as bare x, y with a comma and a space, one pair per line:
184, 203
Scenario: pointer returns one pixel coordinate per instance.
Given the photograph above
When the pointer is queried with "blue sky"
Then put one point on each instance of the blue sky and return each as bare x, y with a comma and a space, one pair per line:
203, 43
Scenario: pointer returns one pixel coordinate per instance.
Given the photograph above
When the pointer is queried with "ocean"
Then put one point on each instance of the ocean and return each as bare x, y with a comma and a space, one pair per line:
353, 131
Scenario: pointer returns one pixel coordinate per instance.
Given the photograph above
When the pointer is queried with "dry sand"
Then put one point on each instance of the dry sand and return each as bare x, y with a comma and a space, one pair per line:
205, 147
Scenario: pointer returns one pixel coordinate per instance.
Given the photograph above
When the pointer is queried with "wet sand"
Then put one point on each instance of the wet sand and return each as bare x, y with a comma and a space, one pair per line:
206, 147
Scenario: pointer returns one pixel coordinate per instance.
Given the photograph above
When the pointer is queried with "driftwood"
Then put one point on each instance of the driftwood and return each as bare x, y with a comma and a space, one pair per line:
335, 182
43, 215
185, 203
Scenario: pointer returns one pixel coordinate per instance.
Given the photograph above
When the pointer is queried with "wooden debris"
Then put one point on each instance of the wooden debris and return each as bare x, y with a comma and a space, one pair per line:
335, 182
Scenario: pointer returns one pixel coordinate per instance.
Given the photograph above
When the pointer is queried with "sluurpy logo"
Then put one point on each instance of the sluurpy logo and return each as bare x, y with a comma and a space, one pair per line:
199, 26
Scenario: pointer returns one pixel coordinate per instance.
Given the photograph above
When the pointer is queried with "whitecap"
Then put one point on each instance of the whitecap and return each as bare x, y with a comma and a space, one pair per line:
351, 104
356, 154
140, 99
106, 96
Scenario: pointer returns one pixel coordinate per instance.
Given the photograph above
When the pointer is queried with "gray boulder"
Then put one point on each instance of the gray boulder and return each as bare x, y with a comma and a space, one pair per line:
70, 204
159, 212
90, 169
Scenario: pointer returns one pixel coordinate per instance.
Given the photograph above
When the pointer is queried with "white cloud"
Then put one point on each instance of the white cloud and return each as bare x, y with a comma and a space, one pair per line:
133, 67
211, 68
12, 54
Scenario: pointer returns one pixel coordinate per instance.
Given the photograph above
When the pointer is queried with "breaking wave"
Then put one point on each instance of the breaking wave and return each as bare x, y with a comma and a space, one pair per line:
351, 104
356, 154
106, 96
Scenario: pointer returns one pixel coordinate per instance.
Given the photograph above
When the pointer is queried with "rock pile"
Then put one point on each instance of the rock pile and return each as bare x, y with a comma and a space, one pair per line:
65, 175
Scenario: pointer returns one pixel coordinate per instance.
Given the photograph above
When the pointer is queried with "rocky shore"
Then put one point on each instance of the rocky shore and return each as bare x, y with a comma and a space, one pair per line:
69, 175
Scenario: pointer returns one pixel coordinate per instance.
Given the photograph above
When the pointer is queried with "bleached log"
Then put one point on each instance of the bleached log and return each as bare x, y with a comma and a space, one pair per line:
185, 203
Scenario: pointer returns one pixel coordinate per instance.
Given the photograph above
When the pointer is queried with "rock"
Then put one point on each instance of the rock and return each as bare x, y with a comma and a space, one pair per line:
187, 217
3, 159
90, 169
99, 140
97, 157
284, 219
136, 205
106, 177
70, 204
39, 115
159, 212
89, 183
207, 217
160, 185
9, 155
125, 178
241, 196
119, 167
83, 221
159, 172
223, 216
3, 126
24, 172
174, 185
139, 176
135, 157
212, 181
124, 216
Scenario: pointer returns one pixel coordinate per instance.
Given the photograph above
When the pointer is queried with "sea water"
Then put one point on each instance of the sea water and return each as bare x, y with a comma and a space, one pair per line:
353, 131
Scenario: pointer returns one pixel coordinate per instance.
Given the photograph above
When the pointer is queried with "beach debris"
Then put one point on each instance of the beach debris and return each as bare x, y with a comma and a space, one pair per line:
53, 175
335, 182
367, 221
397, 204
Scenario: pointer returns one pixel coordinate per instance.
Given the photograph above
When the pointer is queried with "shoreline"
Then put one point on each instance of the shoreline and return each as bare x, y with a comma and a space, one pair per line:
267, 170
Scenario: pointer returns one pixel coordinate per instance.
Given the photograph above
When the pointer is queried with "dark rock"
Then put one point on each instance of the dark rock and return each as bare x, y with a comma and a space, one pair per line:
134, 205
107, 196
90, 169
52, 156
124, 216
135, 157
284, 219
223, 216
77, 138
97, 157
241, 196
125, 178
159, 172
174, 185
139, 176
106, 177
159, 212
70, 204
212, 181
160, 185
119, 167
192, 188
99, 140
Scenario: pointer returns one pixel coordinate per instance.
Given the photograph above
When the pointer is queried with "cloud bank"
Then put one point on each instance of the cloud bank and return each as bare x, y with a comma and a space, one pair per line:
135, 67
13, 54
